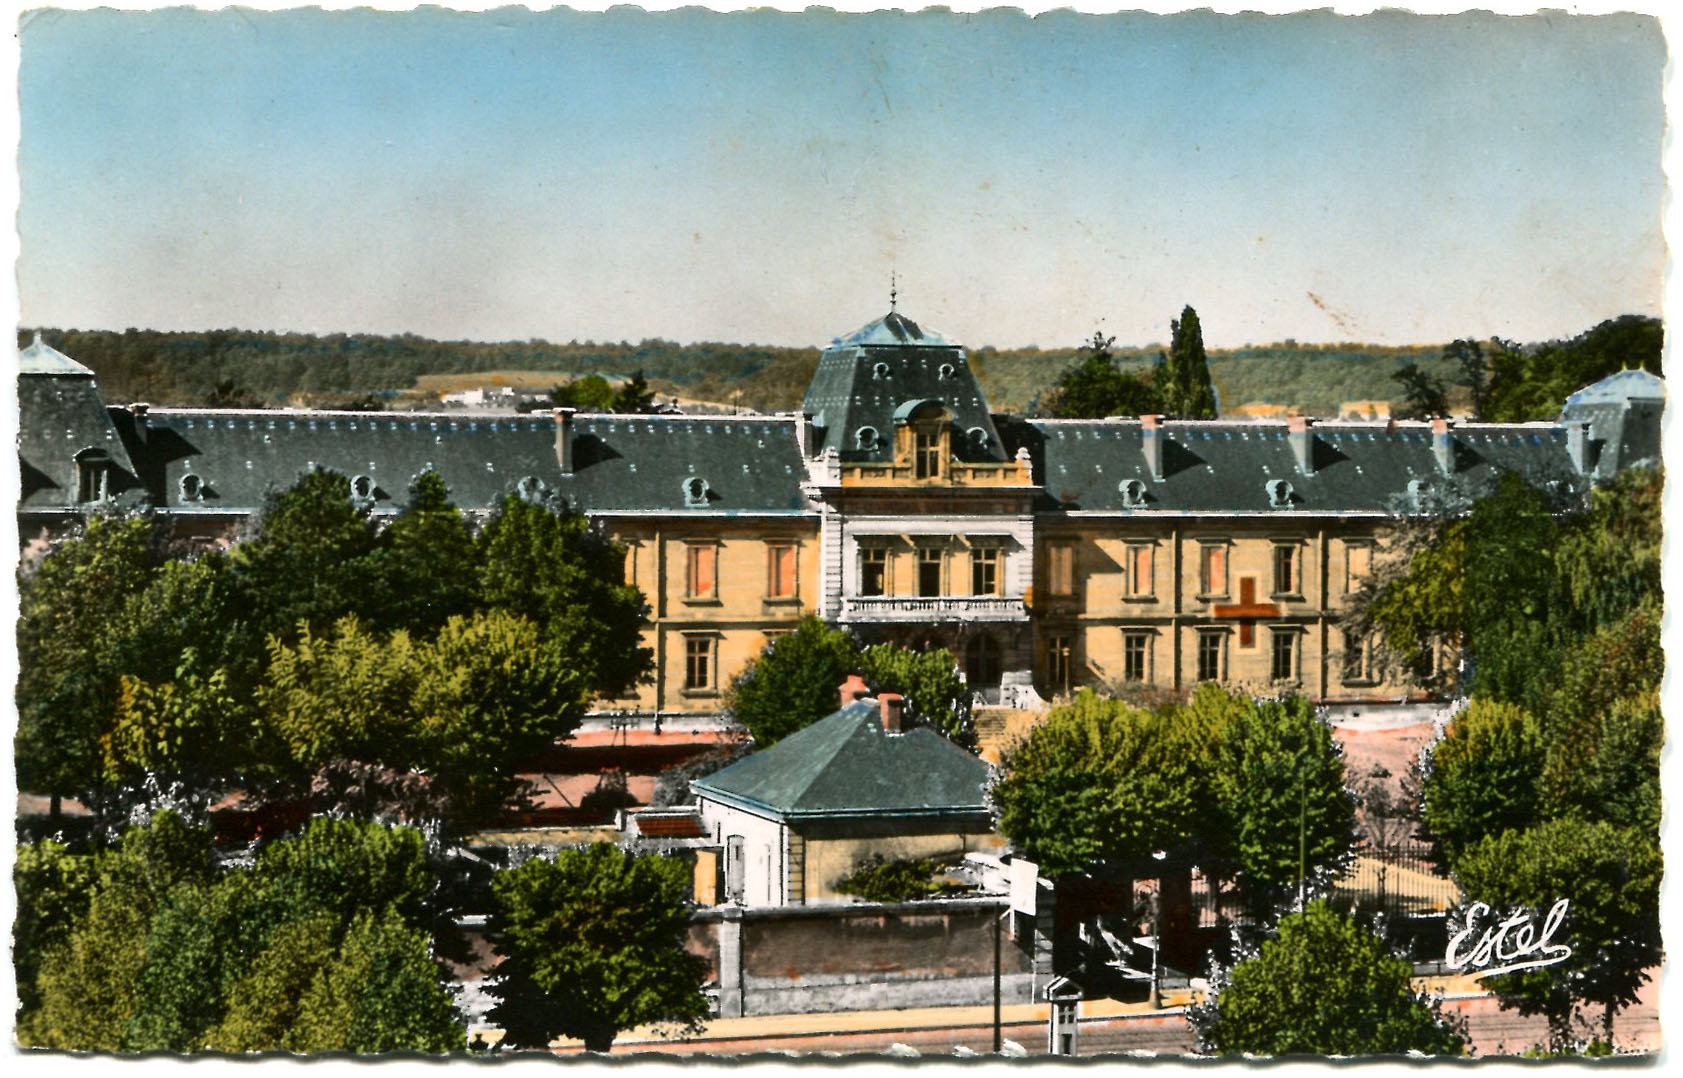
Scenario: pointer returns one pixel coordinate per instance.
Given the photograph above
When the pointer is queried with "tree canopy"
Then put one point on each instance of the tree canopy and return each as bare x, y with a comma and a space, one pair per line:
593, 944
1323, 985
1095, 387
1183, 375
1533, 382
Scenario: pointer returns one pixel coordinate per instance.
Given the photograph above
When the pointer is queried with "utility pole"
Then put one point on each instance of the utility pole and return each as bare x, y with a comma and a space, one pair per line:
998, 1041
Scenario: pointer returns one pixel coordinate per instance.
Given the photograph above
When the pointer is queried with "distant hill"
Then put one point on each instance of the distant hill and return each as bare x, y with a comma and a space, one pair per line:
279, 368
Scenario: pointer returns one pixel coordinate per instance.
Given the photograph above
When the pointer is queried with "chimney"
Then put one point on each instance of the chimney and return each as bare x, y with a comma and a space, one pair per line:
564, 439
1302, 442
807, 434
1151, 443
141, 426
1443, 445
893, 705
1577, 446
853, 688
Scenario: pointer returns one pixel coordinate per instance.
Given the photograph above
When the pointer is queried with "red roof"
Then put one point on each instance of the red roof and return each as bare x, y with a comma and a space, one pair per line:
687, 825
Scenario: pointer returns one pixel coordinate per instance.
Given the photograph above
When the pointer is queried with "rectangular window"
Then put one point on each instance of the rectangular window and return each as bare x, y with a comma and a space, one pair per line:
1212, 569
1358, 659
1139, 570
1060, 570
1285, 569
1209, 655
1284, 667
780, 571
927, 454
873, 571
1059, 648
1358, 563
698, 663
701, 579
929, 572
736, 876
984, 571
1136, 652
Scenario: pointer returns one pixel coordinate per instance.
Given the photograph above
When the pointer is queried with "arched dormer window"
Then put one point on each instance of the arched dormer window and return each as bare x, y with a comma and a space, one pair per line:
881, 371
192, 488
946, 371
362, 489
1279, 494
1416, 494
866, 438
978, 438
93, 475
927, 437
1133, 493
695, 492
529, 489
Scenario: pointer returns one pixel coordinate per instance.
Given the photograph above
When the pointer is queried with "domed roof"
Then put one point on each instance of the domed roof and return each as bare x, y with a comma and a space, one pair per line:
42, 358
893, 329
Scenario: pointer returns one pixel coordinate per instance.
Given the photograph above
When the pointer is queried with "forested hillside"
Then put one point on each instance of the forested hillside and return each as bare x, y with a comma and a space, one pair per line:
263, 368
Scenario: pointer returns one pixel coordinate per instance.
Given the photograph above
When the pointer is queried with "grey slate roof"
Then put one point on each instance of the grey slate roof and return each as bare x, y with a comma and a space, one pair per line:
1624, 412
1223, 467
43, 358
61, 414
621, 463
864, 377
845, 765
1618, 389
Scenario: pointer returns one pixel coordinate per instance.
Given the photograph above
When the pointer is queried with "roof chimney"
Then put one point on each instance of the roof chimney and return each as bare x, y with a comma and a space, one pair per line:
1302, 442
893, 706
805, 432
564, 439
1577, 446
1151, 443
853, 688
1443, 445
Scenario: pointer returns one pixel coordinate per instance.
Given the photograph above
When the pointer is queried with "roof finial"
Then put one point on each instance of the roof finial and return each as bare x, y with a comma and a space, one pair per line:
893, 292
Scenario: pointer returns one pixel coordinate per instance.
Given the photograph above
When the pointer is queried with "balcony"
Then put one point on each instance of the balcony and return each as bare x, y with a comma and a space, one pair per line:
923, 609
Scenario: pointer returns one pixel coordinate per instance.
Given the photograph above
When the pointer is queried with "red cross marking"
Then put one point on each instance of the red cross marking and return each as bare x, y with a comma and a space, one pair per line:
1247, 610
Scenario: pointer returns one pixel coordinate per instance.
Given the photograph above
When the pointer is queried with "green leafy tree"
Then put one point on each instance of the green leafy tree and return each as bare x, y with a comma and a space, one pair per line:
1325, 986
1468, 358
1100, 780
1507, 591
794, 682
1533, 383
634, 395
53, 888
1286, 817
425, 562
879, 879
590, 393
1183, 379
1484, 776
1611, 878
592, 943
70, 606
934, 690
554, 569
1095, 387
380, 993
1424, 395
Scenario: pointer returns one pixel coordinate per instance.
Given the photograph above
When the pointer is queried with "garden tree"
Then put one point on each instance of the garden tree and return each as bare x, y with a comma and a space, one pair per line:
1611, 878
192, 728
88, 980
589, 393
1483, 777
1323, 985
1533, 383
794, 682
1507, 590
424, 563
70, 607
1424, 395
592, 943
1183, 377
634, 395
879, 879
1095, 387
550, 566
934, 690
1468, 357
1099, 780
1285, 817
465, 707
53, 888
1607, 561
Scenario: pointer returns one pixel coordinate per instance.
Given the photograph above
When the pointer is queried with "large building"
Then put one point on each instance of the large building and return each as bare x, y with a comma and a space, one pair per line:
1044, 553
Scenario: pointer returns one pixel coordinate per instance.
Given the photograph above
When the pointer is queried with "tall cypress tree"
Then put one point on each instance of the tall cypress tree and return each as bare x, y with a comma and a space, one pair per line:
1187, 391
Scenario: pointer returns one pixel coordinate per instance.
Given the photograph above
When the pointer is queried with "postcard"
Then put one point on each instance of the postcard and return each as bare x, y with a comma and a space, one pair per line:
701, 534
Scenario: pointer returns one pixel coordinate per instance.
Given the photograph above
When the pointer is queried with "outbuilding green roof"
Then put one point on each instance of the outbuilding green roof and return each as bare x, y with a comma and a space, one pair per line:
845, 765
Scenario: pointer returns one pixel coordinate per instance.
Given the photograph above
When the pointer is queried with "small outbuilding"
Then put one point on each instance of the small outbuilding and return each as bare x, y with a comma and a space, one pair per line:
794, 819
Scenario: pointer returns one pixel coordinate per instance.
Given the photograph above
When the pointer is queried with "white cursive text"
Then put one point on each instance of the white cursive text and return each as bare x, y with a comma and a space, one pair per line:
1511, 945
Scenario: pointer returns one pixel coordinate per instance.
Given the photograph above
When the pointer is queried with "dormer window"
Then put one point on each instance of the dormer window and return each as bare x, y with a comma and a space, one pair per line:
192, 488
93, 475
1279, 494
866, 438
529, 489
926, 453
946, 371
1133, 493
978, 438
881, 371
695, 493
362, 489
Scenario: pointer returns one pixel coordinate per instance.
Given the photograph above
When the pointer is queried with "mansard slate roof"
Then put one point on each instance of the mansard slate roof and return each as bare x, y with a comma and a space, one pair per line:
621, 463
1632, 385
864, 377
846, 765
60, 415
1223, 467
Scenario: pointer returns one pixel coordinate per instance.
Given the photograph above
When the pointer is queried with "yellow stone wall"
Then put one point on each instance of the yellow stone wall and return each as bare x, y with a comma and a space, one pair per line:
828, 860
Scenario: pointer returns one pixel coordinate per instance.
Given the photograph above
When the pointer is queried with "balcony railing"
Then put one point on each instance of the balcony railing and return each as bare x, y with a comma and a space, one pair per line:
918, 608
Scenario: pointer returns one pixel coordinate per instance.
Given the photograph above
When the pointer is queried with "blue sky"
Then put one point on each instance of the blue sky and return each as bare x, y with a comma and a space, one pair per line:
756, 177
